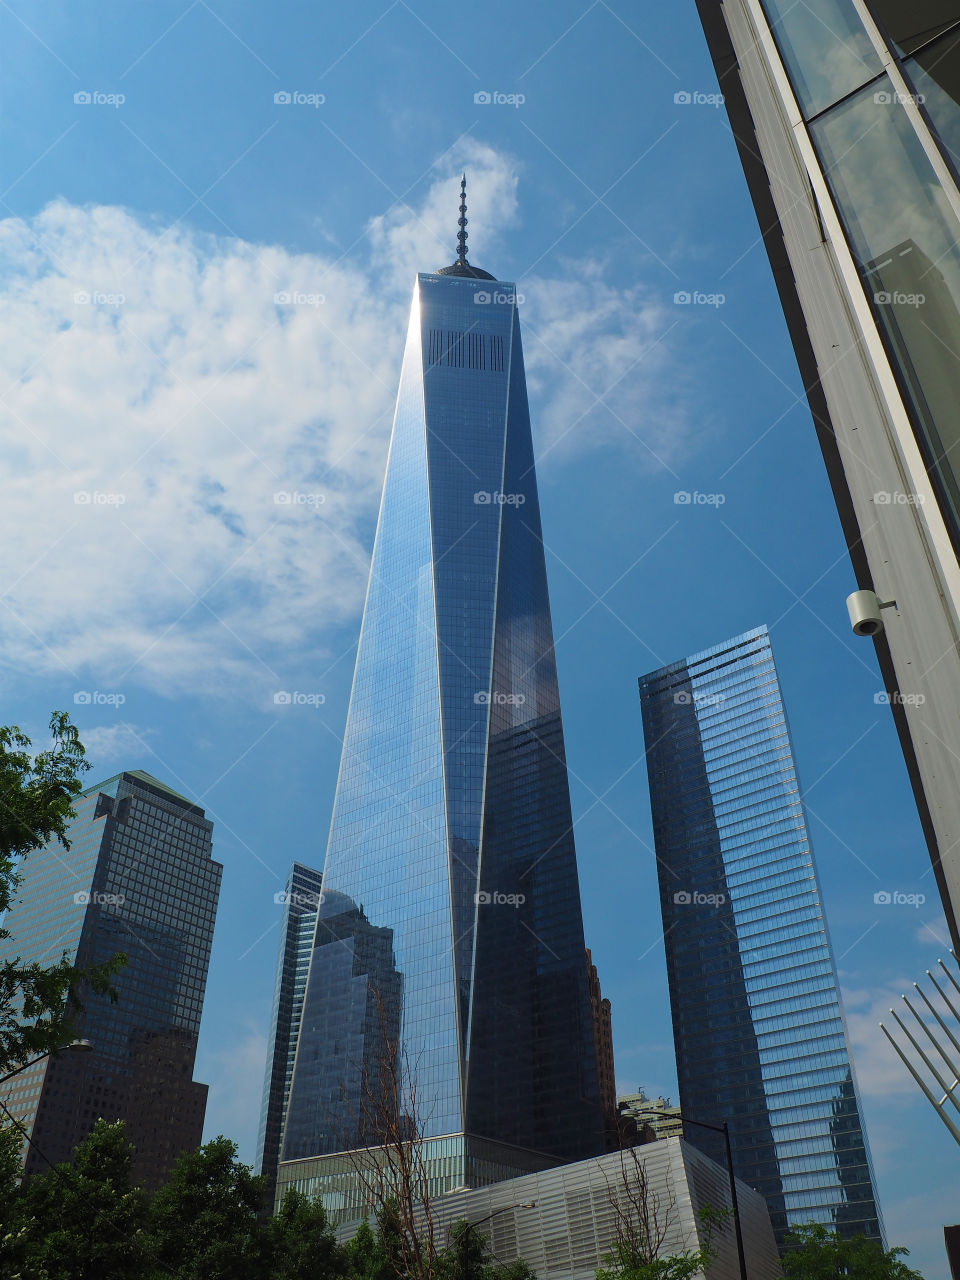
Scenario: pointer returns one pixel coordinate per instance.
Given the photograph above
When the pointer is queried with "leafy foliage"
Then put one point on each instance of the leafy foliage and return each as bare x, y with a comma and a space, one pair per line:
36, 797
79, 1219
818, 1254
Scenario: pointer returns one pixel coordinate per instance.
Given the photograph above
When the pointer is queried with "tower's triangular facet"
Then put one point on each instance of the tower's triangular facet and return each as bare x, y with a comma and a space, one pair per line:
451, 925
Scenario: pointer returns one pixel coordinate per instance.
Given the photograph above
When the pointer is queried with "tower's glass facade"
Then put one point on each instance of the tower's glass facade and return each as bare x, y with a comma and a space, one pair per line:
138, 878
298, 901
451, 916
846, 115
757, 1020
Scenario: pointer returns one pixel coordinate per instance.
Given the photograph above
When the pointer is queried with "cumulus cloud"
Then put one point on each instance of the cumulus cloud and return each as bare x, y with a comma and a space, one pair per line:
188, 458
237, 1066
601, 365
195, 427
880, 1073
108, 742
407, 240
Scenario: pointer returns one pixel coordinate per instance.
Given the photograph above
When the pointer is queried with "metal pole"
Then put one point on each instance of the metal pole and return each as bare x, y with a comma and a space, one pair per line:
725, 1130
933, 1102
735, 1203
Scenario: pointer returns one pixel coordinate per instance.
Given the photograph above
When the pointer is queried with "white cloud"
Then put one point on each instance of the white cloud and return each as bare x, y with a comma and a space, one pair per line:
880, 1073
601, 359
158, 399
123, 741
407, 240
151, 437
935, 932
233, 1103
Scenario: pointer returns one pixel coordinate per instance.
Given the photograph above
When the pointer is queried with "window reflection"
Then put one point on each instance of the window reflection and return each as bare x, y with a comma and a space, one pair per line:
825, 48
935, 74
908, 254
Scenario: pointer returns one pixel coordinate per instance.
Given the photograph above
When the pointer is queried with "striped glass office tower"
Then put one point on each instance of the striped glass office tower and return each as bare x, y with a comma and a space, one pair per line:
138, 878
846, 115
757, 1021
451, 921
299, 901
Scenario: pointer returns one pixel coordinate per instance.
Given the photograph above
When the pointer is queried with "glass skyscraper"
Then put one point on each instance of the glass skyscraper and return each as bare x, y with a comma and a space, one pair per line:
138, 878
757, 1020
451, 920
299, 902
846, 115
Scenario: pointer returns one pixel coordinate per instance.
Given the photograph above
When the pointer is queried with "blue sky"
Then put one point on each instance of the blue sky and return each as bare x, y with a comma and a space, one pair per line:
159, 398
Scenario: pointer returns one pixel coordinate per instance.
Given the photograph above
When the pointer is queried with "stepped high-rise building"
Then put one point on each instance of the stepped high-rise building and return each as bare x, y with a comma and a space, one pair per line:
450, 929
846, 115
138, 878
757, 1021
299, 902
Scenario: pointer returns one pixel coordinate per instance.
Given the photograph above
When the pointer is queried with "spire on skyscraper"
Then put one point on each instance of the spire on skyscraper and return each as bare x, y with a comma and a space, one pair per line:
462, 267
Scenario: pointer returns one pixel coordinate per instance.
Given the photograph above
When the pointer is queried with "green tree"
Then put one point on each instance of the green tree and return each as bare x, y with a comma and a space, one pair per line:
82, 1218
36, 799
818, 1254
301, 1244
365, 1256
467, 1257
624, 1264
205, 1221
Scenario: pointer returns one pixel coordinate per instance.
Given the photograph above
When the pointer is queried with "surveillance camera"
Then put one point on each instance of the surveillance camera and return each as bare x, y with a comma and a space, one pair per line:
864, 609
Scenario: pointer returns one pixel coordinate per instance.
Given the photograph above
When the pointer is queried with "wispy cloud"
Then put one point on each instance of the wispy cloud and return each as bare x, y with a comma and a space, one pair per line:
109, 742
196, 427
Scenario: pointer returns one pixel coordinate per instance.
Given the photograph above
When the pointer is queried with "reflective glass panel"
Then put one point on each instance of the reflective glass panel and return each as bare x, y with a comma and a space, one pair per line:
935, 73
451, 914
904, 236
825, 49
756, 1010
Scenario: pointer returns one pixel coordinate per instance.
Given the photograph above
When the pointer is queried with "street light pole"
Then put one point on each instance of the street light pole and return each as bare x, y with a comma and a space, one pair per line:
734, 1201
735, 1204
471, 1226
83, 1046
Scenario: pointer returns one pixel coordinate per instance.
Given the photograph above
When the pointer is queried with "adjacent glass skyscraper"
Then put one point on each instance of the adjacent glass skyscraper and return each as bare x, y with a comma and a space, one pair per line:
299, 902
451, 917
757, 1020
138, 878
846, 114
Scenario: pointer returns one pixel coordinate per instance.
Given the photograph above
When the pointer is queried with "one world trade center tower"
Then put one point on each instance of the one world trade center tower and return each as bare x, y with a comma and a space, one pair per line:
450, 928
